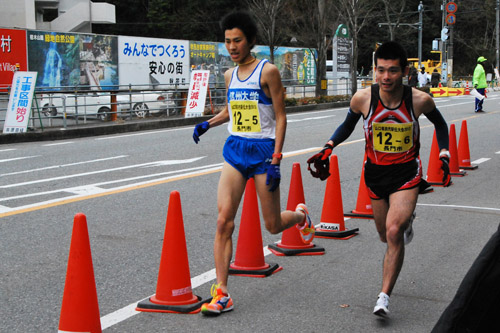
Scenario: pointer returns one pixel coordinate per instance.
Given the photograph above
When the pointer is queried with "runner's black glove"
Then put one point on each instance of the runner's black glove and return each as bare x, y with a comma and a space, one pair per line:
321, 162
273, 177
445, 166
199, 129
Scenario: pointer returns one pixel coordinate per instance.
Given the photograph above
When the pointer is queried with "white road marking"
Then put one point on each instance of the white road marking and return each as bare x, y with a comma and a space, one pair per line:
458, 206
308, 118
63, 165
129, 310
142, 133
17, 158
58, 143
96, 172
10, 149
481, 160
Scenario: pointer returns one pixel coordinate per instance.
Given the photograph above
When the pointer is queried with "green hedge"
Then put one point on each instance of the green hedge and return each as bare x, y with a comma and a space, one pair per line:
315, 100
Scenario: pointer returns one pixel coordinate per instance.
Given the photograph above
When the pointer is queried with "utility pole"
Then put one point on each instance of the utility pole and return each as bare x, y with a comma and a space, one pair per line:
498, 34
420, 11
445, 69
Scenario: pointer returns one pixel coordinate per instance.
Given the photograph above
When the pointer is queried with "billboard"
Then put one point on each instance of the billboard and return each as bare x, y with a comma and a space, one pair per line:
12, 54
73, 60
153, 61
99, 61
297, 66
55, 56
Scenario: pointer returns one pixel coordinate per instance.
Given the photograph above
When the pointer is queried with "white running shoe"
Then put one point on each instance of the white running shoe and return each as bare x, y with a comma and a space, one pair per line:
408, 235
382, 307
307, 230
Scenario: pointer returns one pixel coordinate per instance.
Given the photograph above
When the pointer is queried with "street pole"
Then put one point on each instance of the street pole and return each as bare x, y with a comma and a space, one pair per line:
420, 11
444, 54
497, 32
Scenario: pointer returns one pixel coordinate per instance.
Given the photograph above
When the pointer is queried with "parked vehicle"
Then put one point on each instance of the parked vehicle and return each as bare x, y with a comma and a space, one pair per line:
143, 104
98, 104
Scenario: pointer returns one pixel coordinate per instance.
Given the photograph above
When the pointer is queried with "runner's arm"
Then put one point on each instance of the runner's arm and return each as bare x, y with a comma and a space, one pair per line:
441, 128
273, 80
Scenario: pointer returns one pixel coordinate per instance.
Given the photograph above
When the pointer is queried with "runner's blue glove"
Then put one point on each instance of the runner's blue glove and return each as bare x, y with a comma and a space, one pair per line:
199, 130
273, 177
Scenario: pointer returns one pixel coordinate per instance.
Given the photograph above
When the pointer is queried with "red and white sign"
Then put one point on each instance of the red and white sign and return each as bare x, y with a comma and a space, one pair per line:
21, 96
451, 7
12, 54
197, 93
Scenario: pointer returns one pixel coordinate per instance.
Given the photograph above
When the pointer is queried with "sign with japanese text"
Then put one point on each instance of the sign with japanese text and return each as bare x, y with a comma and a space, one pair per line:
12, 54
21, 96
55, 56
197, 94
153, 61
342, 52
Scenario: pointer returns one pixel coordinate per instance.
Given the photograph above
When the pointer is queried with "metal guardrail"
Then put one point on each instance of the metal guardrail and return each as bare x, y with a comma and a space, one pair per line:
73, 106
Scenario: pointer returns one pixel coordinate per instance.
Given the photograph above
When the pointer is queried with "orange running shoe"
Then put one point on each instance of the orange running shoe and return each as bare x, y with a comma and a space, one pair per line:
220, 302
307, 230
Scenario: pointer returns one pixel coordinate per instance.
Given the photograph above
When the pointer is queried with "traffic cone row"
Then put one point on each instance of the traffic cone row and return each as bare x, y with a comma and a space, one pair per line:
459, 157
80, 309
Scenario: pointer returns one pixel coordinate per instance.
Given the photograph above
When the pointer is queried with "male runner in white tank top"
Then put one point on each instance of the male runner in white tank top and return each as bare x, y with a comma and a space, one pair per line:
257, 124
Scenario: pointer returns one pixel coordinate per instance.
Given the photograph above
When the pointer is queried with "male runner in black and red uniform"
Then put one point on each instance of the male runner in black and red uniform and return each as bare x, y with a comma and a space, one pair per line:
393, 171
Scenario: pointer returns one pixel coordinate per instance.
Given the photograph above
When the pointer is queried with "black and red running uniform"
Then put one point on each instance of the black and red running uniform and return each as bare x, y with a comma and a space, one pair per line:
392, 135
392, 146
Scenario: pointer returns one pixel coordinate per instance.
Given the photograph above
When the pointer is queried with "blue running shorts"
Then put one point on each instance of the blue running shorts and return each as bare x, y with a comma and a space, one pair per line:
249, 156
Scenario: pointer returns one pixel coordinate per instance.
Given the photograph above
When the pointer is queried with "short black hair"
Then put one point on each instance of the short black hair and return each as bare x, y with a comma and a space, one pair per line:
242, 20
392, 51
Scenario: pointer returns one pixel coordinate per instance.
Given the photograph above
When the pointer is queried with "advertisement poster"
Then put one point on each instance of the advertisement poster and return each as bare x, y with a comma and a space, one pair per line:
66, 60
296, 65
152, 61
197, 94
20, 99
55, 56
99, 61
204, 56
12, 54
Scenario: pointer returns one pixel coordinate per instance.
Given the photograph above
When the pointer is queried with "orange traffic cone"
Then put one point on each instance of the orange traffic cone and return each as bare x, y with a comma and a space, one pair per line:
173, 290
332, 217
291, 243
454, 169
434, 171
467, 90
80, 309
463, 149
364, 208
249, 258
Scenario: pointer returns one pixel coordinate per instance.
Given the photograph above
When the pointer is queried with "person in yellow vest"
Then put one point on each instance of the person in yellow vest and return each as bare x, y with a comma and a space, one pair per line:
479, 82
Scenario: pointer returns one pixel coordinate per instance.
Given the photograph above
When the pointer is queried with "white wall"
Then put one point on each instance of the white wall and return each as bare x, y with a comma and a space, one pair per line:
17, 14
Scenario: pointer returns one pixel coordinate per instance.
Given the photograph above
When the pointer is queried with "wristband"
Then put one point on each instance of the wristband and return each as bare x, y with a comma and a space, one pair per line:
445, 154
278, 156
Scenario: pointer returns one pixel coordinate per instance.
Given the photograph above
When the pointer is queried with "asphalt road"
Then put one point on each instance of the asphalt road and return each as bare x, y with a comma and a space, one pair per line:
122, 184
